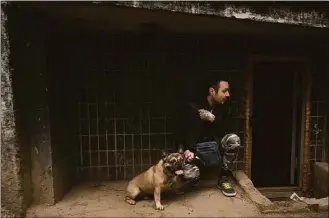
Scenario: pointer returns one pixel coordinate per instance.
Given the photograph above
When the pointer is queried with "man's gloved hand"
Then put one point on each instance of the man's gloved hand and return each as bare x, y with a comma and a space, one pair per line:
188, 155
206, 115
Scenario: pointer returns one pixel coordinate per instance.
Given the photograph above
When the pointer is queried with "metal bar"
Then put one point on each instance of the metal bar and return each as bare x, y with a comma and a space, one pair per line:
89, 141
165, 134
247, 116
103, 166
149, 129
131, 134
102, 150
80, 141
306, 153
316, 132
112, 102
141, 128
152, 149
294, 123
97, 131
133, 152
115, 140
107, 152
301, 155
106, 139
325, 135
124, 152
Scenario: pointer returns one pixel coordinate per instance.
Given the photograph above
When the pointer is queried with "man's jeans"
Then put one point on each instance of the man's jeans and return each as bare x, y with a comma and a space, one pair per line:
228, 152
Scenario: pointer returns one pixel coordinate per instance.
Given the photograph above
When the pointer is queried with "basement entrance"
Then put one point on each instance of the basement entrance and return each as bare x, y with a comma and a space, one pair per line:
112, 86
276, 124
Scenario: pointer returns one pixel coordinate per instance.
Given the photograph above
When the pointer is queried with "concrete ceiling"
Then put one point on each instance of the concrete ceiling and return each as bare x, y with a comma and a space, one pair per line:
105, 17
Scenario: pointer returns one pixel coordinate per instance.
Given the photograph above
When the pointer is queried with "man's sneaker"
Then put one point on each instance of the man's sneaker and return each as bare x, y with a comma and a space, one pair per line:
226, 188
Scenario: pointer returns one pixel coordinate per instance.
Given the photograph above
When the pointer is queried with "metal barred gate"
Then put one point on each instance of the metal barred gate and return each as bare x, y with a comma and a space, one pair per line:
128, 97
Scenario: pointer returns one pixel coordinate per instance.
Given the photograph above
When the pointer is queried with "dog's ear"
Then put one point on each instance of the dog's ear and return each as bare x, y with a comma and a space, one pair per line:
180, 149
164, 154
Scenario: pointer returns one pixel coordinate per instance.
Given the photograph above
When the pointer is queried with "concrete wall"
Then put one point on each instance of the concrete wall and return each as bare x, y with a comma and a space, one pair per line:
39, 122
46, 162
12, 192
25, 128
320, 177
62, 95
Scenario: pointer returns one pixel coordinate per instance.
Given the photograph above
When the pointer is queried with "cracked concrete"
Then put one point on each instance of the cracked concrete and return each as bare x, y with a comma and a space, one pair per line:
279, 207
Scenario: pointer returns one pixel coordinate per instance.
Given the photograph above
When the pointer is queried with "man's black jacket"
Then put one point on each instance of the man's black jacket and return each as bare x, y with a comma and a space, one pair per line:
191, 129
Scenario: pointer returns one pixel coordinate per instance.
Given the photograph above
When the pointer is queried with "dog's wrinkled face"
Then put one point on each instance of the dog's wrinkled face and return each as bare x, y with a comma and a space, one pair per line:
173, 162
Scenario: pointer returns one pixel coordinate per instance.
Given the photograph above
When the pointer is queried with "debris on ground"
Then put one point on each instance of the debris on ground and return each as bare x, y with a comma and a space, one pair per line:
314, 204
295, 197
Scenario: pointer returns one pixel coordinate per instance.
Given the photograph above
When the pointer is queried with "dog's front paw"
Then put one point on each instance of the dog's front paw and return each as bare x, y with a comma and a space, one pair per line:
130, 201
159, 207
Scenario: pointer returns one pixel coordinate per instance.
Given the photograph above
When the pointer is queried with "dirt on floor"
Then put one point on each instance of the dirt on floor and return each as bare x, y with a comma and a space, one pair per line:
106, 200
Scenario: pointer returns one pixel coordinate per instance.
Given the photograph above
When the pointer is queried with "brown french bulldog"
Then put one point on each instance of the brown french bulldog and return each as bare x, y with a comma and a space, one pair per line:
157, 179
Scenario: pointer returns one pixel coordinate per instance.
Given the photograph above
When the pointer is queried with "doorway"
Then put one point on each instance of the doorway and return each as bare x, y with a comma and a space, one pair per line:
276, 118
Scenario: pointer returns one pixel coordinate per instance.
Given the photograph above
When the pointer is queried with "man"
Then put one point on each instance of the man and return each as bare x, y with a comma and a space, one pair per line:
205, 123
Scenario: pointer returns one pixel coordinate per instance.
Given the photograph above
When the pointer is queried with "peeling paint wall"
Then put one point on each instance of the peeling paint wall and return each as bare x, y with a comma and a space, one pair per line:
272, 14
11, 179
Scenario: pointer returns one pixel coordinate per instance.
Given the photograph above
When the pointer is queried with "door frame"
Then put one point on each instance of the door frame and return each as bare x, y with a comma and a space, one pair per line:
252, 60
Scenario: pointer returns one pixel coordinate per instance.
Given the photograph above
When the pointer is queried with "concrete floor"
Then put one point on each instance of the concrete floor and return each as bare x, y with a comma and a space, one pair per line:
106, 200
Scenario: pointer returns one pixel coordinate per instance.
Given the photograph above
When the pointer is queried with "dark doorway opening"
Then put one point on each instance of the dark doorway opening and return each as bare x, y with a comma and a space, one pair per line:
276, 122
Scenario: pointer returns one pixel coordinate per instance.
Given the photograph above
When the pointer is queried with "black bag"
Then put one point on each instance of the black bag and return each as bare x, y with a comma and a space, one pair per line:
208, 153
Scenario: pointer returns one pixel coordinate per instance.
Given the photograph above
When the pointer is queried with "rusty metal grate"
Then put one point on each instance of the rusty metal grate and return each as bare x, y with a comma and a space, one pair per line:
318, 126
318, 129
113, 145
318, 119
111, 148
126, 106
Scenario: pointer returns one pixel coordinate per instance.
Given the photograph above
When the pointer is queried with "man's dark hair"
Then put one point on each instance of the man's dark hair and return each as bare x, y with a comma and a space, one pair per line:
216, 84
